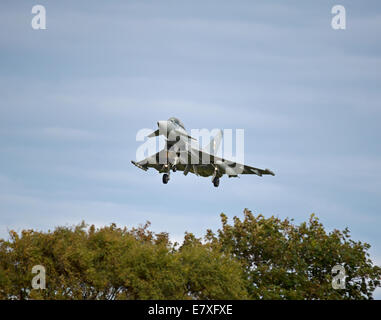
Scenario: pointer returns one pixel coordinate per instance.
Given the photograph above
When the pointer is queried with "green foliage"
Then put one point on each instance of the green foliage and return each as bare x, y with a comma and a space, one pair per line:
284, 261
114, 263
256, 258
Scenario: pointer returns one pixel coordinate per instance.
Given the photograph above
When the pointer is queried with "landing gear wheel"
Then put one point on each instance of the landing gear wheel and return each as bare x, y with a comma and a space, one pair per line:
174, 169
216, 182
165, 178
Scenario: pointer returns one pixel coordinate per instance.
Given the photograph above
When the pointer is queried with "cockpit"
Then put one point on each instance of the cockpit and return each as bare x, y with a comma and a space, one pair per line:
177, 122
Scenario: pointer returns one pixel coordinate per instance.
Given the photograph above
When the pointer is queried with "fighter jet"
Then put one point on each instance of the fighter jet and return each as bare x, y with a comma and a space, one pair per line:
180, 154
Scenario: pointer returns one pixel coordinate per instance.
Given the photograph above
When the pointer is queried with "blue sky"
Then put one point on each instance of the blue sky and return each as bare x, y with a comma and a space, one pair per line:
73, 97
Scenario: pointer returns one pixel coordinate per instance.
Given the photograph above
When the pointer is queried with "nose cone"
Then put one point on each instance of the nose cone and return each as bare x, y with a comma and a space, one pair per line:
163, 127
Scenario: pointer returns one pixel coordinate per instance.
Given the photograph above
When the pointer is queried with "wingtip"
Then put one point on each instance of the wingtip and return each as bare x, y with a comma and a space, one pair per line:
139, 166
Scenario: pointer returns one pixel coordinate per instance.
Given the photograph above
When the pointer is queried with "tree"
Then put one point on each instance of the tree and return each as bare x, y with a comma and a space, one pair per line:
255, 258
115, 263
285, 261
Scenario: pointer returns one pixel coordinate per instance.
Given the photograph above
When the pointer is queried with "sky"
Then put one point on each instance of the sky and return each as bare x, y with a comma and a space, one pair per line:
74, 96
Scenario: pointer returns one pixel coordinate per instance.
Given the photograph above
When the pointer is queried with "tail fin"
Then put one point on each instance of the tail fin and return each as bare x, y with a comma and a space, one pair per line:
214, 145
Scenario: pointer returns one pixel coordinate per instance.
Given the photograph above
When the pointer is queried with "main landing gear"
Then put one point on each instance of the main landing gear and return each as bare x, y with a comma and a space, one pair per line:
165, 178
216, 181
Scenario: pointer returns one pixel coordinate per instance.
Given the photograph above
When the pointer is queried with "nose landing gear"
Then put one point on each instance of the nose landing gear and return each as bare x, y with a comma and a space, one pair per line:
216, 181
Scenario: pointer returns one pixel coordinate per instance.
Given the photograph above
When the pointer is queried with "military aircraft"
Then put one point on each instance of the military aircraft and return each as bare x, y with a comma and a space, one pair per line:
179, 154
